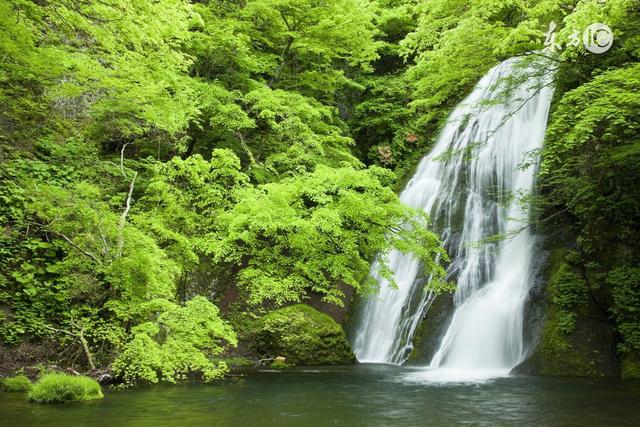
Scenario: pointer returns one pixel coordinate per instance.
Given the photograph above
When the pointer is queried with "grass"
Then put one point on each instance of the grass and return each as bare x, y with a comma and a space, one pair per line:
61, 388
19, 383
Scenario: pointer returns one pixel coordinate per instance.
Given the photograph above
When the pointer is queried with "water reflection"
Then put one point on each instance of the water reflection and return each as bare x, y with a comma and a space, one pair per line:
373, 395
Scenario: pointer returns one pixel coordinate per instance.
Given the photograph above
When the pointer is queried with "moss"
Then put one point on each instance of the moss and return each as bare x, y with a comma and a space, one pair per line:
279, 364
236, 362
61, 388
304, 336
19, 383
630, 367
564, 355
576, 338
625, 286
427, 337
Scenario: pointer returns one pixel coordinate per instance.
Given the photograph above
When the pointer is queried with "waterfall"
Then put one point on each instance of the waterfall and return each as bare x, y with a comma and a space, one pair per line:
467, 185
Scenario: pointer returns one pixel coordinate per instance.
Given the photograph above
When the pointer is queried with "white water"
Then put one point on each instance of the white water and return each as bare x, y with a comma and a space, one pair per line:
468, 199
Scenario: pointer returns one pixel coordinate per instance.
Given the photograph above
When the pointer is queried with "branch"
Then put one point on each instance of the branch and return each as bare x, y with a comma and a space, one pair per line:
83, 341
252, 160
480, 144
122, 158
87, 253
68, 240
123, 217
261, 361
85, 346
510, 235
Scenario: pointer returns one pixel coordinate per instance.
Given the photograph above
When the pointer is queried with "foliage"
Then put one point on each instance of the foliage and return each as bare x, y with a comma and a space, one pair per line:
182, 201
589, 176
296, 133
590, 158
158, 154
18, 383
302, 40
314, 231
625, 284
456, 42
567, 291
63, 388
177, 342
302, 335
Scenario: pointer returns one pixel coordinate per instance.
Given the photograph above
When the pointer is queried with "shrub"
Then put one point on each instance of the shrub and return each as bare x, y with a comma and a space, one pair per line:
304, 336
61, 388
16, 384
625, 285
183, 340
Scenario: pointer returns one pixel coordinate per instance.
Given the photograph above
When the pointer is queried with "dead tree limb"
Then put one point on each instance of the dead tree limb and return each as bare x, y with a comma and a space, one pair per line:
83, 341
123, 217
87, 253
122, 158
246, 148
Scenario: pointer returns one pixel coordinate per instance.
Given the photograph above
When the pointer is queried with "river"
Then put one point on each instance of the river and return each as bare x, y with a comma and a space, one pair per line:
361, 395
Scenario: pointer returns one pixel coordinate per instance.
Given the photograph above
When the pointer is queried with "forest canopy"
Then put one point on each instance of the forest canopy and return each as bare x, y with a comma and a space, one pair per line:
160, 158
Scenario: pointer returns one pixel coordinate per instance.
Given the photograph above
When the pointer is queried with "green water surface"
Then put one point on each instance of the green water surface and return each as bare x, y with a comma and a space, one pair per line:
365, 395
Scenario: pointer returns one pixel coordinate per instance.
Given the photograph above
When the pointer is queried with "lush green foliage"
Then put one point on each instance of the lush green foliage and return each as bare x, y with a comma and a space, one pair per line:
62, 388
589, 173
625, 283
316, 230
302, 335
18, 383
179, 341
157, 155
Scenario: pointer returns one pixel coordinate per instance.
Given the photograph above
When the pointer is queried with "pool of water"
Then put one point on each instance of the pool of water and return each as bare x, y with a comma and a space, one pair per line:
365, 395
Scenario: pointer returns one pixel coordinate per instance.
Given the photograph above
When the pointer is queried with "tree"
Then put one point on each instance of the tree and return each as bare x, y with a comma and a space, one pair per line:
314, 231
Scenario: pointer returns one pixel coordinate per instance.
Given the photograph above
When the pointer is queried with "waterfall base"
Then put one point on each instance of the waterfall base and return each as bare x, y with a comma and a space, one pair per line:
451, 375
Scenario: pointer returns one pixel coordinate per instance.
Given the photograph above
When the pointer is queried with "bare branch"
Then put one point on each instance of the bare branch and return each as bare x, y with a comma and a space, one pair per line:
122, 158
79, 335
252, 160
123, 217
87, 253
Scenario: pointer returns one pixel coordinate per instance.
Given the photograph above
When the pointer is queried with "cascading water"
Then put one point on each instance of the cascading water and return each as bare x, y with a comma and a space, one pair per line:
466, 184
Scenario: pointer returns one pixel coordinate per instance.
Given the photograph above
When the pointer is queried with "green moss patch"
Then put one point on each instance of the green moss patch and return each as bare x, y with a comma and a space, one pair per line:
279, 364
576, 338
630, 368
19, 383
304, 336
61, 388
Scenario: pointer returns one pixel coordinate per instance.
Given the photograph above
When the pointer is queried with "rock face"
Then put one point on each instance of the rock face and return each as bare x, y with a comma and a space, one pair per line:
431, 330
337, 313
588, 351
304, 336
575, 335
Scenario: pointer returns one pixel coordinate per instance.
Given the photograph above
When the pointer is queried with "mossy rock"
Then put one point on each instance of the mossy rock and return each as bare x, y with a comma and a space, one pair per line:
585, 352
304, 336
19, 383
236, 362
279, 364
577, 339
62, 388
432, 328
